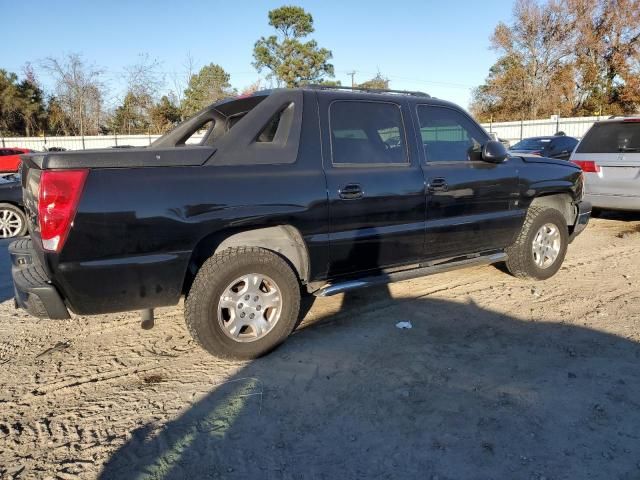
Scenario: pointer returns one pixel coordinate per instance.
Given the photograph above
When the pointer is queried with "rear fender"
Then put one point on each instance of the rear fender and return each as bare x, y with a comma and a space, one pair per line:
285, 240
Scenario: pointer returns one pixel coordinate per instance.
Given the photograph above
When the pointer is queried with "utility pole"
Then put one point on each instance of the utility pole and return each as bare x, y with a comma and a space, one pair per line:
352, 74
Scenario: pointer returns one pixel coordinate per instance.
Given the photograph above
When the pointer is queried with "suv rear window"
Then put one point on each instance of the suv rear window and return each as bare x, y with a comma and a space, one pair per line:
610, 137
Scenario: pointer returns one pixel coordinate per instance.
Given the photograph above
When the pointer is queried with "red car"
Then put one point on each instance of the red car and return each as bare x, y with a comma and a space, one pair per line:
10, 159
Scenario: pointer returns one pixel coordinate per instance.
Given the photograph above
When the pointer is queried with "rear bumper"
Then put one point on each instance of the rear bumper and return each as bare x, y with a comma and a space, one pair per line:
33, 289
582, 219
614, 202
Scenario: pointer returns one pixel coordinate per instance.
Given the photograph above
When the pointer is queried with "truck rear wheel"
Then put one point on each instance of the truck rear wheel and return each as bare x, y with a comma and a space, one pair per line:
243, 303
539, 250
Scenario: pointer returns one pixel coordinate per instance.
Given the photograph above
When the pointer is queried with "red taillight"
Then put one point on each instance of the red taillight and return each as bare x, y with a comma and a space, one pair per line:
587, 166
57, 202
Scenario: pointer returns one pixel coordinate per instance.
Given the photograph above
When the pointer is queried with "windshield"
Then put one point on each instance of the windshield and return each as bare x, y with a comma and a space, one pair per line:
611, 137
532, 144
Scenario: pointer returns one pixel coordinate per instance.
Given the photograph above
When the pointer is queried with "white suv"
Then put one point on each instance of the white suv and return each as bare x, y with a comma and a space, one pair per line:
609, 155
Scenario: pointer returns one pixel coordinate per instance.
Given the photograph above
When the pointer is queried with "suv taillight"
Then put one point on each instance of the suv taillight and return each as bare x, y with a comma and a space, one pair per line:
57, 202
587, 166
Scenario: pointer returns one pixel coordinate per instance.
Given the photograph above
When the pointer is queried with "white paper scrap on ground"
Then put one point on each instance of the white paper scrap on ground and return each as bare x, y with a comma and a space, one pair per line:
403, 325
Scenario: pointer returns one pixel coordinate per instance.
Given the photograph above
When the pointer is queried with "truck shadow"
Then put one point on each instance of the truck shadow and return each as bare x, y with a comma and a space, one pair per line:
466, 393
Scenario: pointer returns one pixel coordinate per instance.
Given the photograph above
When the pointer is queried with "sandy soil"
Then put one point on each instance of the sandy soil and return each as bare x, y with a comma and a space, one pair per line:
498, 378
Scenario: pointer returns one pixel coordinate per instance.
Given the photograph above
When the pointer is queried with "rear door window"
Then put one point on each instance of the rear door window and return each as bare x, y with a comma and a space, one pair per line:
366, 133
611, 137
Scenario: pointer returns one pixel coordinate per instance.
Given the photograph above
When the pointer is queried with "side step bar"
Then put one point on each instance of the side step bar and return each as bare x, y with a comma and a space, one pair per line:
422, 271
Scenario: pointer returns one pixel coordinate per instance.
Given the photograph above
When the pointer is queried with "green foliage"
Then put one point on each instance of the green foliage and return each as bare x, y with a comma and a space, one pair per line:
379, 82
22, 106
207, 86
291, 21
58, 123
329, 83
164, 115
130, 117
290, 60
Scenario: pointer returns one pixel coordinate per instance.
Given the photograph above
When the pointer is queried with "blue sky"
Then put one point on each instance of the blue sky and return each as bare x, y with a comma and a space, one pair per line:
434, 46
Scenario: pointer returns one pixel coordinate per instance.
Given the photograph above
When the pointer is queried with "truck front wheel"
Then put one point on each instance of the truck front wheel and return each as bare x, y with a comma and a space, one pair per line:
243, 303
539, 250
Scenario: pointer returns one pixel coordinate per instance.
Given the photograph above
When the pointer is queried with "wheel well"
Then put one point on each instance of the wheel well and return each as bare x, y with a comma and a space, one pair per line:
285, 240
558, 201
20, 207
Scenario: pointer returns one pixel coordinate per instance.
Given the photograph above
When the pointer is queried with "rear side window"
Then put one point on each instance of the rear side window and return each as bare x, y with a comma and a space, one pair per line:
448, 135
365, 133
611, 137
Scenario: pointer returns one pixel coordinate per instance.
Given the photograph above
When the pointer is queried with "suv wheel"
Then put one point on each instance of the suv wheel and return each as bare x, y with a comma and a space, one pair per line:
243, 303
539, 250
13, 222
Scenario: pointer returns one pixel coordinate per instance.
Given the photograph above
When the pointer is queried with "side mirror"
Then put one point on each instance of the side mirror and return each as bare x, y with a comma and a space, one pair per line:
494, 152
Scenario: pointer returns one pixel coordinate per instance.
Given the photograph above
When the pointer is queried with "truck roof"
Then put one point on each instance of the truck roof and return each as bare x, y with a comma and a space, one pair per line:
362, 93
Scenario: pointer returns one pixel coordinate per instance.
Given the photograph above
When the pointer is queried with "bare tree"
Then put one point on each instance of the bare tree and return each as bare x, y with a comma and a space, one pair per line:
144, 77
251, 89
144, 82
180, 80
539, 42
79, 91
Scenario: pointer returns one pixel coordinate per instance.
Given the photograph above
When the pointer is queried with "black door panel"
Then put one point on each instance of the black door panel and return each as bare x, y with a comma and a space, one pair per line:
472, 205
477, 210
375, 185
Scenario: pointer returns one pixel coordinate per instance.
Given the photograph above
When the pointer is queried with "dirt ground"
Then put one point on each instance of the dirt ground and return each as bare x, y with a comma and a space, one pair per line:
498, 379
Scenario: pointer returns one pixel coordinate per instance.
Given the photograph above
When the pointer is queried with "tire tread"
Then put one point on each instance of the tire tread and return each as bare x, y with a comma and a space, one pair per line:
518, 254
199, 323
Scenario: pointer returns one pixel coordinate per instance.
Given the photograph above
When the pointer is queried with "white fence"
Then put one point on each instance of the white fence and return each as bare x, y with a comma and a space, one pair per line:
77, 143
516, 131
511, 131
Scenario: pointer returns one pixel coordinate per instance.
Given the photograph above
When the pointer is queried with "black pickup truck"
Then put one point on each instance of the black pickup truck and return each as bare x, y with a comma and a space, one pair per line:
289, 192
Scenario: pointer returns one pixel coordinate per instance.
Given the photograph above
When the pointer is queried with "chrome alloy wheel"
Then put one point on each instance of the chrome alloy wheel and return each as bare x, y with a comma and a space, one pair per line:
546, 245
249, 307
10, 223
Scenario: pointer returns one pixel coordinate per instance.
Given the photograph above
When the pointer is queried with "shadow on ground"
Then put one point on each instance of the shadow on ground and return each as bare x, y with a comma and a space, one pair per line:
466, 393
620, 215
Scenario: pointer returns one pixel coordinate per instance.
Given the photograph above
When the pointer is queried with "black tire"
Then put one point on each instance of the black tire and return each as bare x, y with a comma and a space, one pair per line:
520, 258
201, 305
19, 214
